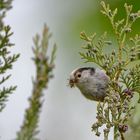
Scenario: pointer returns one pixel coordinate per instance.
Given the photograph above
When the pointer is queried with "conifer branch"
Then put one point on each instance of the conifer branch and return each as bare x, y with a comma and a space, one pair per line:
44, 68
6, 58
124, 83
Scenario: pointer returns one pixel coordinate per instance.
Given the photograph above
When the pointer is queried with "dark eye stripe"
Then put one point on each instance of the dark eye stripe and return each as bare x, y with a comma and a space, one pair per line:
92, 70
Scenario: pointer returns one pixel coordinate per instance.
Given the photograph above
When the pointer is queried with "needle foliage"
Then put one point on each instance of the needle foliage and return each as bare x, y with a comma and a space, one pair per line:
6, 57
121, 64
44, 66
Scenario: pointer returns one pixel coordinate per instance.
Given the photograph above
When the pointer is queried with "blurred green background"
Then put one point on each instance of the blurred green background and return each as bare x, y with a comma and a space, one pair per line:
66, 115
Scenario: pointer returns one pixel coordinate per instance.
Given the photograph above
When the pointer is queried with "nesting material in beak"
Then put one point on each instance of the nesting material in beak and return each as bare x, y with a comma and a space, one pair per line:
72, 80
72, 83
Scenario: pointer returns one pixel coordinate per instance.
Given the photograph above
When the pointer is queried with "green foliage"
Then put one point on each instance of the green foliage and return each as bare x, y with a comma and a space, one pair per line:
5, 5
44, 67
117, 107
6, 58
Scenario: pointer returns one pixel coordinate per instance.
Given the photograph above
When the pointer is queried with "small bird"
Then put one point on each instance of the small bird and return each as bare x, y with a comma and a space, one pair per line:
91, 82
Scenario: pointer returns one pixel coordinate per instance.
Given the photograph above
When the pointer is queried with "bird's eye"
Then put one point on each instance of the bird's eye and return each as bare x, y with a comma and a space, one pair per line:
78, 75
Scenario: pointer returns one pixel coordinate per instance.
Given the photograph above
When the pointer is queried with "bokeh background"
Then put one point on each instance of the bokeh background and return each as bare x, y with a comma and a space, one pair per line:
66, 115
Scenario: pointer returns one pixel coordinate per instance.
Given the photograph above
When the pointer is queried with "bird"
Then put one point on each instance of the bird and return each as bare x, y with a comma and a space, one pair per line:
92, 82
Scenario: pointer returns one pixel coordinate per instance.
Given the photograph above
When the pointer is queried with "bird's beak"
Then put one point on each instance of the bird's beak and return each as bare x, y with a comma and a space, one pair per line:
72, 83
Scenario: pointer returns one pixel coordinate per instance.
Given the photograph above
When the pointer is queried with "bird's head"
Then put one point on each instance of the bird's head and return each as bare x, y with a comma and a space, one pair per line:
80, 75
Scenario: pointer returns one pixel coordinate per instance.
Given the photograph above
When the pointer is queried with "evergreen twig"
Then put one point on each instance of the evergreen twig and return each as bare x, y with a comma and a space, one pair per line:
44, 69
117, 107
6, 58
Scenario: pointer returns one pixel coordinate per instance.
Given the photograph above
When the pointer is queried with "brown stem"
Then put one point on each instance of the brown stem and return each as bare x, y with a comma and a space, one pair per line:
122, 136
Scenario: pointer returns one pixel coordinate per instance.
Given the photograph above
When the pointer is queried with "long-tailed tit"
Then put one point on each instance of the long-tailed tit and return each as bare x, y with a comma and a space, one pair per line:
91, 82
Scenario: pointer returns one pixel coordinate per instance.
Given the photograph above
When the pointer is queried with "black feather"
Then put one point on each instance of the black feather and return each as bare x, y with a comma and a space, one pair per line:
92, 70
